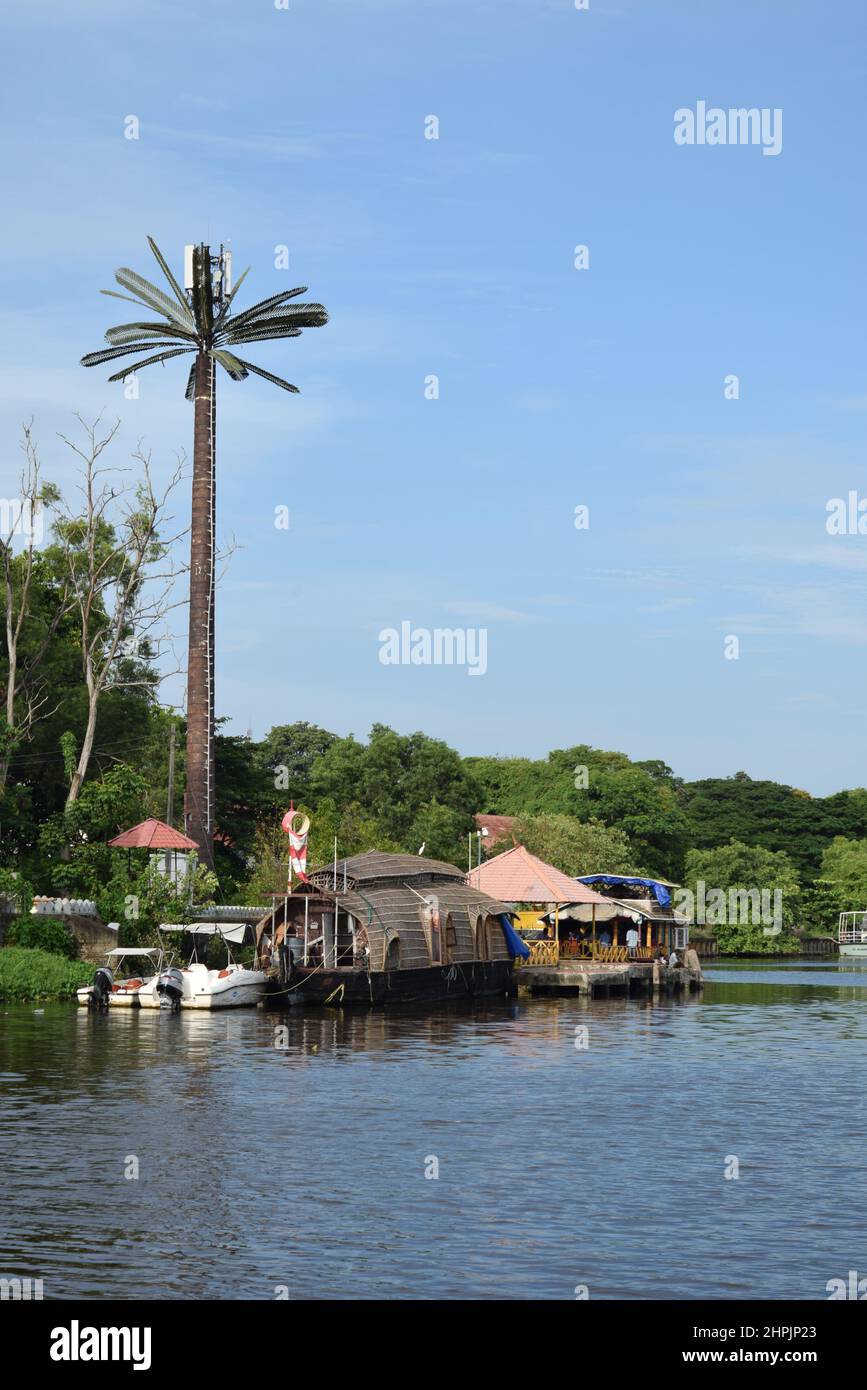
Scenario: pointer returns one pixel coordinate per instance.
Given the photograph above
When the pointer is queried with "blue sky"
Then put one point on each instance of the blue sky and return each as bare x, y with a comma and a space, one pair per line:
558, 387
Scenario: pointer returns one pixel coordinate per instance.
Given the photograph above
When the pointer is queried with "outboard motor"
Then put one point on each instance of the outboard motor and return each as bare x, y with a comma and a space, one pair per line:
170, 987
100, 990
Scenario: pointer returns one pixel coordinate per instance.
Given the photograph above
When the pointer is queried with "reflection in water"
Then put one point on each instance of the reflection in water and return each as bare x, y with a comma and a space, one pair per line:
262, 1164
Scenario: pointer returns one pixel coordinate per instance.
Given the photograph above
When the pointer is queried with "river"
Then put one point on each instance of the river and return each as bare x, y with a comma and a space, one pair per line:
301, 1169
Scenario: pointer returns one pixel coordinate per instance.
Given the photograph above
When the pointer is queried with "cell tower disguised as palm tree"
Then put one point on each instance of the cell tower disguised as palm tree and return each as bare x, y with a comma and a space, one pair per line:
199, 319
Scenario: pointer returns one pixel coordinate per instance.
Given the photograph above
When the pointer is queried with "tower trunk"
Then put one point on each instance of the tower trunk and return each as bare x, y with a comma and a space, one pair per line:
199, 796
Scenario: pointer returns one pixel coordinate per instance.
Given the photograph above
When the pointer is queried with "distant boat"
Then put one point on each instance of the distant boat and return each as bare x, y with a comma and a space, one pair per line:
852, 934
118, 982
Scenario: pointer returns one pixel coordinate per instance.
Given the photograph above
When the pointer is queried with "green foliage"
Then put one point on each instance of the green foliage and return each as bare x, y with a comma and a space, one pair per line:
844, 863
140, 897
840, 887
750, 939
736, 865
30, 975
405, 783
774, 816
289, 752
42, 934
576, 847
16, 889
642, 800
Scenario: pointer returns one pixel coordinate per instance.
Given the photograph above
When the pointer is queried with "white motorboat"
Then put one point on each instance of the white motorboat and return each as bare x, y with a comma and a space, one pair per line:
852, 934
234, 986
120, 980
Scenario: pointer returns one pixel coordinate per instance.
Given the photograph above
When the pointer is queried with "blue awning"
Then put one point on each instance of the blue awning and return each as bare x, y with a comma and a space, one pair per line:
659, 890
516, 946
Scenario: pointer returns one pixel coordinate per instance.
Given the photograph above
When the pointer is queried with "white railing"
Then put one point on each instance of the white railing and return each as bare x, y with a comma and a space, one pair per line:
852, 929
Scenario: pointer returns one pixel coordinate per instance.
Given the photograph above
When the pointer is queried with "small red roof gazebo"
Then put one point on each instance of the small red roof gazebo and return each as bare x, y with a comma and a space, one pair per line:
152, 834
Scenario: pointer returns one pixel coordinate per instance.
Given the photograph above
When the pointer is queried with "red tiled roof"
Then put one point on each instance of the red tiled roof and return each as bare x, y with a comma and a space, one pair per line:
152, 834
517, 876
498, 827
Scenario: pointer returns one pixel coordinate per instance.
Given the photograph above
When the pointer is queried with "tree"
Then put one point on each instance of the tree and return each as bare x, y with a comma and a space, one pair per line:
769, 814
642, 799
289, 752
576, 847
841, 885
28, 632
395, 777
200, 320
746, 868
120, 599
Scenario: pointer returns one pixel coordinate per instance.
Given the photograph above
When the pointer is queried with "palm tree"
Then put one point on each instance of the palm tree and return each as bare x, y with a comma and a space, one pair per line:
200, 320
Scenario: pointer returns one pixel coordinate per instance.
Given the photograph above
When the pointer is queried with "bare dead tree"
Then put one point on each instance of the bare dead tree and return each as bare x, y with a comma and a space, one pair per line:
120, 571
26, 697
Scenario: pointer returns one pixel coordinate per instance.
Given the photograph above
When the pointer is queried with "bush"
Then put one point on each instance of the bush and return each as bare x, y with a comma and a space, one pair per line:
42, 934
26, 975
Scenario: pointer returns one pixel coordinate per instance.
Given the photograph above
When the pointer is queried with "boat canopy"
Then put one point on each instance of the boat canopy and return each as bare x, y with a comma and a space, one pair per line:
134, 951
659, 889
234, 934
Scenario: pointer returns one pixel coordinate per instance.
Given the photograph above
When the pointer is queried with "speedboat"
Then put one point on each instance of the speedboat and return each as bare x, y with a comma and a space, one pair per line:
120, 980
233, 987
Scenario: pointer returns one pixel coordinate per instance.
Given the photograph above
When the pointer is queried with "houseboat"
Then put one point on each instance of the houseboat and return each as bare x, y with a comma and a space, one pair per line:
382, 929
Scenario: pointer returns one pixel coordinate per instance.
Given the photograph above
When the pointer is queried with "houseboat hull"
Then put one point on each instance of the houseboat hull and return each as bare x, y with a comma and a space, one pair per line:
855, 949
386, 988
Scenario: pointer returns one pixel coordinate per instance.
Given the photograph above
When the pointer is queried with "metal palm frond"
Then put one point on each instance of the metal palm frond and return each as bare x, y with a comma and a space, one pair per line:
194, 321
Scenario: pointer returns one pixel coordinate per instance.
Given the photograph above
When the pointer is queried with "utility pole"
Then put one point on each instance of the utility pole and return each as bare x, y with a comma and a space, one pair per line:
170, 795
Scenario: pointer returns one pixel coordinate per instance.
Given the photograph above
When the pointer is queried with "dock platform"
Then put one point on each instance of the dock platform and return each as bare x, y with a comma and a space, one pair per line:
600, 979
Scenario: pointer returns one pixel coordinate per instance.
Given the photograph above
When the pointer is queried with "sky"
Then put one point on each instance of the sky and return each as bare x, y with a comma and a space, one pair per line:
558, 387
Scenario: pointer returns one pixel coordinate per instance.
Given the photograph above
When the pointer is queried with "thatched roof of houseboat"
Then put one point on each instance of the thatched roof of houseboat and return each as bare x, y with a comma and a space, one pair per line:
376, 864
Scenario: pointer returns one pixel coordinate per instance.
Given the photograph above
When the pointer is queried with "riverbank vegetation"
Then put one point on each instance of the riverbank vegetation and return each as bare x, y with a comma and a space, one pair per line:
27, 975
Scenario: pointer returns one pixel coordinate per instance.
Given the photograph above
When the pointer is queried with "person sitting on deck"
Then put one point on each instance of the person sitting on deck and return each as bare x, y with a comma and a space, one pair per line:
673, 960
605, 938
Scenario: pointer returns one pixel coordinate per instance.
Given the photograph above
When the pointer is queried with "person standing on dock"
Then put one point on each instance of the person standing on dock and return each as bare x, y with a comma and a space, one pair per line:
632, 942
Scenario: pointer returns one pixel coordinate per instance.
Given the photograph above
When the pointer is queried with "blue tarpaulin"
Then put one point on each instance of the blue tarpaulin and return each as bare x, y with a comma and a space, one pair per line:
513, 940
659, 890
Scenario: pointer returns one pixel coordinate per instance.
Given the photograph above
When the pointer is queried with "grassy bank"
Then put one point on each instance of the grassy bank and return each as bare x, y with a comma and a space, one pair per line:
28, 974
